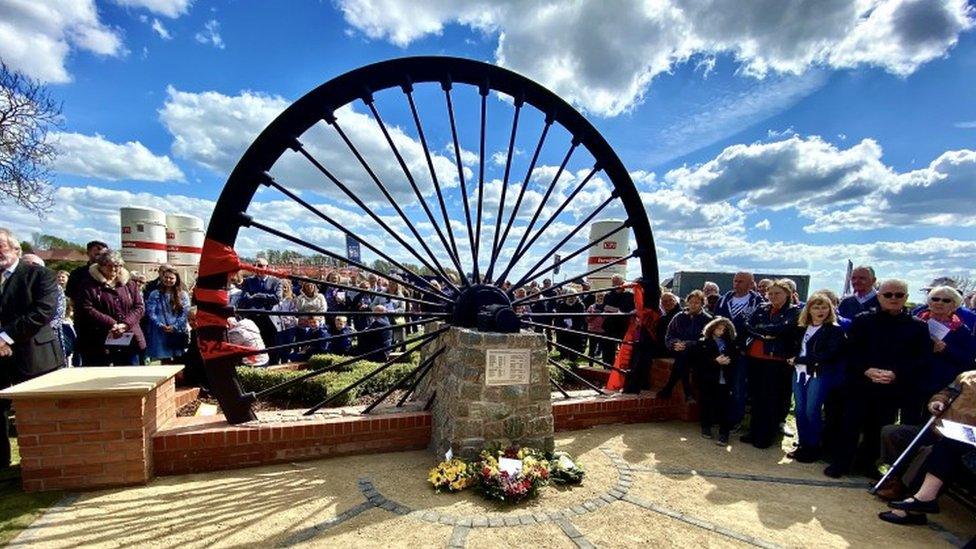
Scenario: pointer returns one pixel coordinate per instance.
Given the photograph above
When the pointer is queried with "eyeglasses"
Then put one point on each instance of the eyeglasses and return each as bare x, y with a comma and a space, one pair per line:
895, 295
940, 299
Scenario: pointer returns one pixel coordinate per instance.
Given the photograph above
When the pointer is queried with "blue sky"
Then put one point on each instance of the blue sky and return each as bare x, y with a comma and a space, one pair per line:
760, 137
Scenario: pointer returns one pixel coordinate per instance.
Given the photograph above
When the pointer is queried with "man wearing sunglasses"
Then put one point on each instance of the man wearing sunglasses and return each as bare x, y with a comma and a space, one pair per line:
886, 353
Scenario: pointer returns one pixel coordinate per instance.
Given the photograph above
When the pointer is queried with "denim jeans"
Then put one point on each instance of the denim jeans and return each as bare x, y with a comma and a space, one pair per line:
809, 399
740, 390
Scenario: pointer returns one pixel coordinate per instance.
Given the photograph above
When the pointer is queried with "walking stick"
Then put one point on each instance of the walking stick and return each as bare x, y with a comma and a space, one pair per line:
953, 393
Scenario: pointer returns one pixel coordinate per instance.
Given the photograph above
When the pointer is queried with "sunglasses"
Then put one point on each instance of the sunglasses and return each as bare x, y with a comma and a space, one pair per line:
895, 295
940, 300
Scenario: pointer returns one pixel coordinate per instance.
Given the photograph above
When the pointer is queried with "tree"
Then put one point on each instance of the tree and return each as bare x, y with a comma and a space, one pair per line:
51, 242
27, 114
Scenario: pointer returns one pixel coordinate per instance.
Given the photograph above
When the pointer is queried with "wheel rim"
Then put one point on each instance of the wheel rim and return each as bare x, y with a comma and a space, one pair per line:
485, 265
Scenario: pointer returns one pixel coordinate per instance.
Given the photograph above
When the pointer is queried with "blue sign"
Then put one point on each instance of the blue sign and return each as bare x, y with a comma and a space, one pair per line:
352, 248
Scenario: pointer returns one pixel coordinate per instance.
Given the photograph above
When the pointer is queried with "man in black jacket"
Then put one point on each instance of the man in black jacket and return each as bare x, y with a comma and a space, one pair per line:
886, 352
29, 347
864, 298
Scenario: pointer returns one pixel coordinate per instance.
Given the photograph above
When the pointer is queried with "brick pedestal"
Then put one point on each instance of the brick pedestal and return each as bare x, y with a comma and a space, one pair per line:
83, 428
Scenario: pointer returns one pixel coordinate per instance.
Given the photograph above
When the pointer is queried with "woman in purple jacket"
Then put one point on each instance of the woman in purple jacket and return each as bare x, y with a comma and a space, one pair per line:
109, 309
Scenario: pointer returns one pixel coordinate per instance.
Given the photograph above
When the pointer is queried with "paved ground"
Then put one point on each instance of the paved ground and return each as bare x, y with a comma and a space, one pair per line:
657, 484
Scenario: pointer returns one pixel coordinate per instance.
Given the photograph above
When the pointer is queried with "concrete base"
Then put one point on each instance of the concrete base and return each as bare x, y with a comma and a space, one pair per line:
469, 415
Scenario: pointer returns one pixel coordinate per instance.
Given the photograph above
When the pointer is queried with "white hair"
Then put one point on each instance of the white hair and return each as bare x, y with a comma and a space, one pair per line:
32, 259
898, 282
947, 291
11, 239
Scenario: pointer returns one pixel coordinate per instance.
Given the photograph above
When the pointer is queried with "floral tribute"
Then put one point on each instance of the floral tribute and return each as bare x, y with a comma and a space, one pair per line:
509, 475
452, 475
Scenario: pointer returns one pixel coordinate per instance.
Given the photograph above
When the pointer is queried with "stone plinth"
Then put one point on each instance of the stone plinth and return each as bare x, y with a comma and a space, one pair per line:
469, 413
82, 428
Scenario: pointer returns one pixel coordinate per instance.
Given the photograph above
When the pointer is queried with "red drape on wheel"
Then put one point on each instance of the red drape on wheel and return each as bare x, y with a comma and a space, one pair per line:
641, 325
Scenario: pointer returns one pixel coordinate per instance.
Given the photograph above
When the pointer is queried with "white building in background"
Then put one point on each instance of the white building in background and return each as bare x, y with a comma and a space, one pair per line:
151, 237
607, 251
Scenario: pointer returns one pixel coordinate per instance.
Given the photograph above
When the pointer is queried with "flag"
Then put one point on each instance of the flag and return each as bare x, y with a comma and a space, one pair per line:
847, 279
352, 248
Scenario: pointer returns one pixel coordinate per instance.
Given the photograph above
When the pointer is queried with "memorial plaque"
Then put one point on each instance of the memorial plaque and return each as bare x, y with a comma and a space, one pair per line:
507, 366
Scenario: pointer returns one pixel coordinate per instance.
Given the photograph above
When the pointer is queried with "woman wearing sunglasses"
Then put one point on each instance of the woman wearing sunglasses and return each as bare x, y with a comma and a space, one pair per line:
952, 352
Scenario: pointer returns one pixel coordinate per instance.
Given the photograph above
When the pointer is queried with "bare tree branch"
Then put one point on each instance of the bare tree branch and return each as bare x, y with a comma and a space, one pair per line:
27, 114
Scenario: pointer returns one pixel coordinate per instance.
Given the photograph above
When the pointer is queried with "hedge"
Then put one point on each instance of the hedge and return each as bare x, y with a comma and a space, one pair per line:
316, 389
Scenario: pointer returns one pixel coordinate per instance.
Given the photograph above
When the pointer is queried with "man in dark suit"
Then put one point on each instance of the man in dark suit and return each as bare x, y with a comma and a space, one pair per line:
29, 347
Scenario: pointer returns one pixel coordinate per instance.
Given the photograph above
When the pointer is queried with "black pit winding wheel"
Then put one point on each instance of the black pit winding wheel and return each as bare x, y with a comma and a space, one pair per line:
476, 249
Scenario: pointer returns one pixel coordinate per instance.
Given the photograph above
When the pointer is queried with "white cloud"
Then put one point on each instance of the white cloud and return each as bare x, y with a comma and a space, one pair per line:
158, 28
214, 130
37, 37
211, 34
167, 8
838, 189
763, 225
602, 56
95, 156
966, 124
794, 172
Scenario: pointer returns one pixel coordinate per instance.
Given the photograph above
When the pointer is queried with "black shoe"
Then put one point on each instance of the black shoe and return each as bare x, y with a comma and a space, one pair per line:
723, 440
746, 438
806, 455
909, 519
913, 505
834, 471
706, 433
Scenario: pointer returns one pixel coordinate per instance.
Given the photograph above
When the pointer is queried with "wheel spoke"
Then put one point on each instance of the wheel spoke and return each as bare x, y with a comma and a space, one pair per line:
523, 300
406, 171
327, 339
577, 332
367, 377
525, 185
591, 272
269, 181
464, 189
576, 376
501, 202
560, 389
414, 384
571, 234
298, 147
588, 358
483, 91
318, 371
532, 272
452, 250
339, 312
602, 315
542, 204
386, 193
404, 380
270, 230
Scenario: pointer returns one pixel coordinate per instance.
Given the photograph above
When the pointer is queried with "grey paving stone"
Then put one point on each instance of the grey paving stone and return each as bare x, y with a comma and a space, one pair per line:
527, 519
448, 520
388, 505
459, 537
479, 522
402, 510
609, 497
541, 517
616, 493
589, 505
568, 529
465, 522
431, 516
555, 514
579, 509
512, 521
495, 522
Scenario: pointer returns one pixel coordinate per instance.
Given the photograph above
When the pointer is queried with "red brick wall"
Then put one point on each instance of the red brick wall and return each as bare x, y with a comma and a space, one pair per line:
191, 445
70, 444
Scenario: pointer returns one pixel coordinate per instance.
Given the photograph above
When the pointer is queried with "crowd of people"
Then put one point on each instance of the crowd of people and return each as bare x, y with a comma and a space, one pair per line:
862, 374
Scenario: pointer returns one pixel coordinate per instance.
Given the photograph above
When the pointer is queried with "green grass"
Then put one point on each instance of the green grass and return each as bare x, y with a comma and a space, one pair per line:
19, 509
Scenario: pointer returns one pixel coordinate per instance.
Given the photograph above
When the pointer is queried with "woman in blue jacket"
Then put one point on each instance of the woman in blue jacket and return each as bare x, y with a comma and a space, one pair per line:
168, 308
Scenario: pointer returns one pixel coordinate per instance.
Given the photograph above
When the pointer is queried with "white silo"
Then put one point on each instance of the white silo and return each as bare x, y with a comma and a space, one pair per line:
184, 243
143, 239
606, 251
